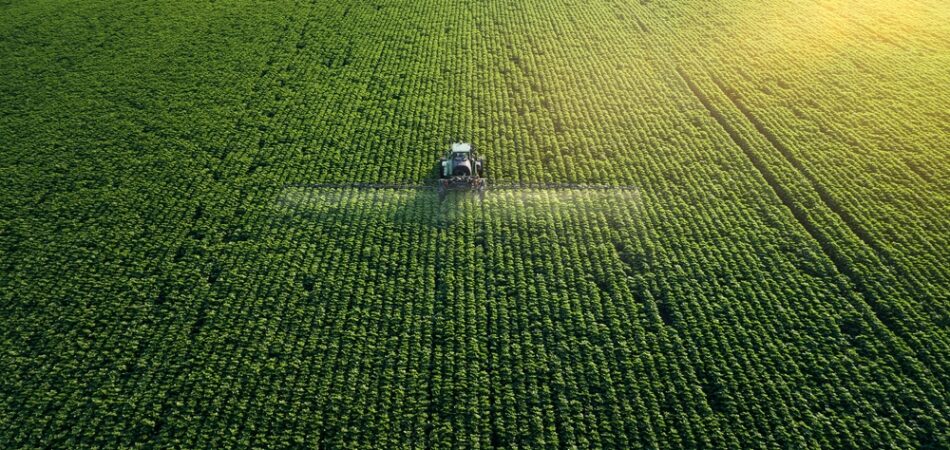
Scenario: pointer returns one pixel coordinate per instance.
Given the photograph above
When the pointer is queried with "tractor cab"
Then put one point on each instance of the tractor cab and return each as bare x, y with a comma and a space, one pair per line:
459, 161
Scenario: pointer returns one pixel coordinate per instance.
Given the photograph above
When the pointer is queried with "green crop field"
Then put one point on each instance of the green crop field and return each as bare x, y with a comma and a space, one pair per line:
186, 260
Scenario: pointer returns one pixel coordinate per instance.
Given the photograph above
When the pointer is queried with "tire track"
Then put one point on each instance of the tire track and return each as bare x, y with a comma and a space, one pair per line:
923, 358
839, 261
852, 223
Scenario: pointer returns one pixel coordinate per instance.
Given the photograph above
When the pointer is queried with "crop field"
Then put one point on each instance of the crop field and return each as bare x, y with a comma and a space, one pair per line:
190, 256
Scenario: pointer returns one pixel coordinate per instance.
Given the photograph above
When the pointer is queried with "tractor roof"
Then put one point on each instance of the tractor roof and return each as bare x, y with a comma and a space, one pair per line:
461, 147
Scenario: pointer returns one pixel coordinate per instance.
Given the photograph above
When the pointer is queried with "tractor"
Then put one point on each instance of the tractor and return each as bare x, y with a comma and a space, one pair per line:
462, 170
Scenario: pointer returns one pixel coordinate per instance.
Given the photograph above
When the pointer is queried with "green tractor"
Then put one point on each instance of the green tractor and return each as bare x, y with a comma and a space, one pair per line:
462, 170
